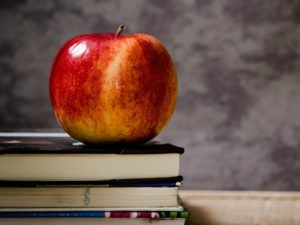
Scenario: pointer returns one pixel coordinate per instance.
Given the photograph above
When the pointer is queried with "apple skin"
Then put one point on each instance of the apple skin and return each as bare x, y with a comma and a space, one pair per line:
113, 90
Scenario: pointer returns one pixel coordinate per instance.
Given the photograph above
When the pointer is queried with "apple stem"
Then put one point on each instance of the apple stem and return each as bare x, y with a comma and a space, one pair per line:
121, 28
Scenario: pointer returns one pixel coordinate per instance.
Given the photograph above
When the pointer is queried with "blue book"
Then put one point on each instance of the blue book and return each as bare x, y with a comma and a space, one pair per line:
50, 214
163, 214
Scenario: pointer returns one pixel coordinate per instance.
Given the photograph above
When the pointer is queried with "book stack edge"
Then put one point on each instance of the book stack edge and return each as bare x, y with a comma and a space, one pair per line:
51, 178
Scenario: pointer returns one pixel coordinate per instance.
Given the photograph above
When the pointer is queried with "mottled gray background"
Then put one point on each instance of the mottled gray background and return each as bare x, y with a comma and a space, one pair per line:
238, 112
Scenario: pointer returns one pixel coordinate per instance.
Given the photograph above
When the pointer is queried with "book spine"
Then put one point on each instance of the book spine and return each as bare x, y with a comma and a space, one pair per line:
140, 182
48, 214
94, 214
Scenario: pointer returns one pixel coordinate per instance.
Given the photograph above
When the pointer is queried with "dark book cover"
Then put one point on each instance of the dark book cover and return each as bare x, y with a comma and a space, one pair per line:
142, 182
42, 142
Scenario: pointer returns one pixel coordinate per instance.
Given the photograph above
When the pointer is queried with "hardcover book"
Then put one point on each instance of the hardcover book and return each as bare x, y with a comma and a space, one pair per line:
58, 157
92, 217
60, 213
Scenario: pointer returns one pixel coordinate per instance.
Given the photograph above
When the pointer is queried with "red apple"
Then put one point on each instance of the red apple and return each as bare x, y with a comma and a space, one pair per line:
113, 88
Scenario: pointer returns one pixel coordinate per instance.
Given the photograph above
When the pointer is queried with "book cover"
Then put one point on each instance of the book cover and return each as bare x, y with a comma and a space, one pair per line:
62, 143
141, 182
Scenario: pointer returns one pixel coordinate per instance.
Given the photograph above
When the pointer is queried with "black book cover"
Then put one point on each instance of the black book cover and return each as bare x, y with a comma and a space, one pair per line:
141, 182
48, 143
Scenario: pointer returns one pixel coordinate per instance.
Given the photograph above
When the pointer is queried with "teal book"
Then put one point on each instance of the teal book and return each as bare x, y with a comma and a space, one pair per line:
93, 217
94, 214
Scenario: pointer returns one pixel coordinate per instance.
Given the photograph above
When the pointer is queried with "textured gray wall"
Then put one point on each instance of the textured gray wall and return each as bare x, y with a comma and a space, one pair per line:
238, 112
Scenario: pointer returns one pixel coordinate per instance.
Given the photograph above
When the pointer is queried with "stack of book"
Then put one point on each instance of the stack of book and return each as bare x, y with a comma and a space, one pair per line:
49, 178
